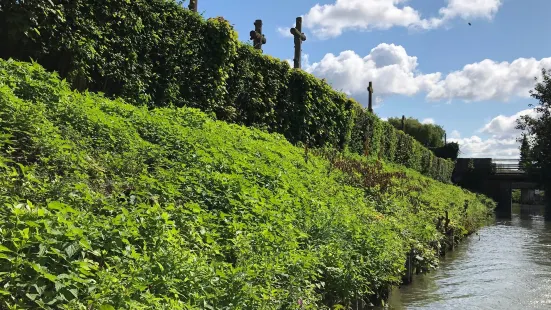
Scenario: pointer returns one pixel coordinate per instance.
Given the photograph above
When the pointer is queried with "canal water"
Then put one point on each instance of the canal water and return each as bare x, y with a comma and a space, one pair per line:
505, 266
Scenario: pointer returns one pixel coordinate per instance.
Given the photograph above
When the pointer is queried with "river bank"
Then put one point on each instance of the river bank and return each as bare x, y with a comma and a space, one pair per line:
109, 205
506, 266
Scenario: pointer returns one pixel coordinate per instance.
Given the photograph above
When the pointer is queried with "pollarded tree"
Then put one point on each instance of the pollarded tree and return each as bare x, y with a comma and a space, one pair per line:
539, 127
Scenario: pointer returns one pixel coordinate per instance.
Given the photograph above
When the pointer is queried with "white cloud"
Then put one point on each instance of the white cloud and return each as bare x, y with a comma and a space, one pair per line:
305, 61
455, 134
428, 121
393, 71
490, 80
502, 142
504, 126
285, 32
389, 66
331, 20
475, 147
378, 102
469, 9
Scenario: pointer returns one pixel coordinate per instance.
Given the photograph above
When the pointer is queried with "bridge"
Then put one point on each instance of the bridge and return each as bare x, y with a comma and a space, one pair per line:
497, 178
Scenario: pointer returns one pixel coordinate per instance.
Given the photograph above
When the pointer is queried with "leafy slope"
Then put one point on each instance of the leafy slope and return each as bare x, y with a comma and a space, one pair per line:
107, 204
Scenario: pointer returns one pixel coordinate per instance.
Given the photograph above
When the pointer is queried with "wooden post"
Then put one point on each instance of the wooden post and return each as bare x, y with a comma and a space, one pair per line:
256, 35
408, 275
193, 5
403, 123
299, 38
370, 90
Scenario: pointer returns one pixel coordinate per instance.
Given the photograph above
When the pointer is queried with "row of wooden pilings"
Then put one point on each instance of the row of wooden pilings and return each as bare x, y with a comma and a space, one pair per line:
412, 268
448, 245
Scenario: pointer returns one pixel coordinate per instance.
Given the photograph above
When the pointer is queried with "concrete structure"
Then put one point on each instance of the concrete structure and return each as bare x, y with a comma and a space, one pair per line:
499, 186
496, 179
527, 196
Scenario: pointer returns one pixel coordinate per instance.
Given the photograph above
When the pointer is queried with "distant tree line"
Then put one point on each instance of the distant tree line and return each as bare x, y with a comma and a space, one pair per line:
429, 135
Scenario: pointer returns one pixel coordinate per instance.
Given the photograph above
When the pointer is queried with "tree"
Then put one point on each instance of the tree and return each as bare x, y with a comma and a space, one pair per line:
448, 151
525, 157
429, 135
538, 127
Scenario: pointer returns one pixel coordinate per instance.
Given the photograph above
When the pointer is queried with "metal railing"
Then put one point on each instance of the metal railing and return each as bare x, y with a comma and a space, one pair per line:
502, 166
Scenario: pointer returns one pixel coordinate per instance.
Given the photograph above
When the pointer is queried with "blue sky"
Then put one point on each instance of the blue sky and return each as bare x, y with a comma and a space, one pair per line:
424, 59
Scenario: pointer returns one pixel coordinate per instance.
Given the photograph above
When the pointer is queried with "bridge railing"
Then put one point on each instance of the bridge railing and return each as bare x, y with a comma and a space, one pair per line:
502, 166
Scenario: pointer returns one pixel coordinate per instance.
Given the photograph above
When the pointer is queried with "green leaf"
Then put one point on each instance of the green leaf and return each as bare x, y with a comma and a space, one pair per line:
71, 250
50, 276
31, 296
4, 249
106, 307
58, 286
74, 292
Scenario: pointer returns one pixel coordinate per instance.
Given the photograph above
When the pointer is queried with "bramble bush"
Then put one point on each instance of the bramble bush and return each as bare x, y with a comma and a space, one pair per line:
159, 54
106, 205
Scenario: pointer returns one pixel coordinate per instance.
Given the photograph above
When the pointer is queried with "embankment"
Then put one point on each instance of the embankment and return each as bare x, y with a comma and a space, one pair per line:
108, 205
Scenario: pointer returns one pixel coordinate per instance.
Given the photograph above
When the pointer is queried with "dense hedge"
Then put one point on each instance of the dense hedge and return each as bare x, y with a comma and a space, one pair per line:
106, 205
153, 51
160, 54
372, 136
448, 151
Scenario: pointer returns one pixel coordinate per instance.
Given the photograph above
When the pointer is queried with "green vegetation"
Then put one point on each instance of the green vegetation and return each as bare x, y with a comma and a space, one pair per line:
159, 54
448, 151
525, 162
376, 138
429, 135
539, 198
106, 205
516, 195
539, 130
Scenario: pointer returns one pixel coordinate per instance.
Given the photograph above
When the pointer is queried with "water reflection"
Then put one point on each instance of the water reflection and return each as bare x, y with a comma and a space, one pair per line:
509, 267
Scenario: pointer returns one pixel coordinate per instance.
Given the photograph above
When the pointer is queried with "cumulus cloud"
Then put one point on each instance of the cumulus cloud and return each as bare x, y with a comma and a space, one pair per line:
389, 66
504, 126
470, 9
502, 142
487, 80
393, 71
331, 20
428, 121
